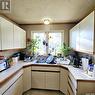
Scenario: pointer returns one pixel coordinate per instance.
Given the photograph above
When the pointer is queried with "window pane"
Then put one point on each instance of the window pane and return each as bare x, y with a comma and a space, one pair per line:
54, 43
41, 47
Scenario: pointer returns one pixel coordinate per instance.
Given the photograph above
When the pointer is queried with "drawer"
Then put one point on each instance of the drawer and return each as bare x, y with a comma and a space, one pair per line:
45, 68
73, 81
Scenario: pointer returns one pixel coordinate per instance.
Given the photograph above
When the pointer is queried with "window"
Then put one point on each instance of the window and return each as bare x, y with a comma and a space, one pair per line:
54, 43
49, 42
41, 47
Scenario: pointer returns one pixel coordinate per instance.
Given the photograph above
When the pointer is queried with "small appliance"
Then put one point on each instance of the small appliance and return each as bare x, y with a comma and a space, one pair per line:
4, 65
74, 59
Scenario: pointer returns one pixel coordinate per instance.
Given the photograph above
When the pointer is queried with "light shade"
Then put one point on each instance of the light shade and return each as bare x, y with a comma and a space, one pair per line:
46, 21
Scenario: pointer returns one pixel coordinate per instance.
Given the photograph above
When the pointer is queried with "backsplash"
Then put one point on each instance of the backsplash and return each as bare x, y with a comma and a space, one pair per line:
84, 54
8, 53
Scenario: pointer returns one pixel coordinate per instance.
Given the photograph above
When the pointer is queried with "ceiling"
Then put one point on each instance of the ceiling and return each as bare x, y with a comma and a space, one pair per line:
59, 11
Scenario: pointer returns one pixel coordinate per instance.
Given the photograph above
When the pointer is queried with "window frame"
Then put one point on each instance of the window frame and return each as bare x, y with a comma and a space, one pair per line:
47, 36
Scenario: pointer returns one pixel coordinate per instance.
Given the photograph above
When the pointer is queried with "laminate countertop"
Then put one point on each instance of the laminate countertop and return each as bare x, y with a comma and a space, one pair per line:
77, 73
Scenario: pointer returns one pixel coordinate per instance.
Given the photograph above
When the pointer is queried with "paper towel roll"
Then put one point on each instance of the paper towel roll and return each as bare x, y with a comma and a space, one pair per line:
85, 63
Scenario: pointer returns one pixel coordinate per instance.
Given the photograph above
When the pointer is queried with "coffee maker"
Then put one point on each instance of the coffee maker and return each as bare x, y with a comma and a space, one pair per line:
74, 59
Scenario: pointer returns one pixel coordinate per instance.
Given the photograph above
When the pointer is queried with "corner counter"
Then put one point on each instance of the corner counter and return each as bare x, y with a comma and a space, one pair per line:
77, 73
76, 79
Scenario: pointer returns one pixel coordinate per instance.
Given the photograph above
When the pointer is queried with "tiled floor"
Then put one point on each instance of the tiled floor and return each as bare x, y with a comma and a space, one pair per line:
43, 92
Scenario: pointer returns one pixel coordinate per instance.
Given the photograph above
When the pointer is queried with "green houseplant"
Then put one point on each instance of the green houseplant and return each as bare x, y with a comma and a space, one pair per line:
65, 49
32, 46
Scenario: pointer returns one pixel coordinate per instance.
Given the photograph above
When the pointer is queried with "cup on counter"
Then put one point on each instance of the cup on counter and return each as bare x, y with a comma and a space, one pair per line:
15, 59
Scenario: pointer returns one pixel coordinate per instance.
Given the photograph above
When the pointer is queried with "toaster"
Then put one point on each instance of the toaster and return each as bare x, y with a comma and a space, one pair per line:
4, 65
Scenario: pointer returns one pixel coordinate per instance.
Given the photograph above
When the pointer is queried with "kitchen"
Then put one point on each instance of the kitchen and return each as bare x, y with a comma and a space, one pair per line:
44, 69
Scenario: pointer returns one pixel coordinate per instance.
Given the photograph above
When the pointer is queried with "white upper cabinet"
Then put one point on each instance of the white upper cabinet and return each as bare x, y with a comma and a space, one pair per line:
6, 34
11, 36
74, 37
23, 38
16, 37
82, 35
0, 35
19, 37
87, 34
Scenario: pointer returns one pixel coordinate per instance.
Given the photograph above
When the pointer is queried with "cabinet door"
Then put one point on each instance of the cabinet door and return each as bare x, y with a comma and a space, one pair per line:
16, 88
87, 34
63, 80
0, 35
74, 37
23, 38
69, 91
52, 80
86, 88
19, 86
27, 79
7, 34
38, 80
19, 37
16, 37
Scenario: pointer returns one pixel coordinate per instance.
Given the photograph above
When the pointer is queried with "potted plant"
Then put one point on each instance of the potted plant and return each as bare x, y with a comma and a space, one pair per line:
32, 46
65, 49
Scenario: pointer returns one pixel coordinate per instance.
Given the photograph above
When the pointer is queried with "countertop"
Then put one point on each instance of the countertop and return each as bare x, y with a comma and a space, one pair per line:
77, 73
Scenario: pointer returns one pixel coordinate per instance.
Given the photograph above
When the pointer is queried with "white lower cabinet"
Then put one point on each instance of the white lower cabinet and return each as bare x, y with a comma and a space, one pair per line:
52, 80
80, 87
86, 88
72, 83
71, 86
63, 80
45, 77
38, 80
45, 80
69, 90
26, 78
13, 86
16, 88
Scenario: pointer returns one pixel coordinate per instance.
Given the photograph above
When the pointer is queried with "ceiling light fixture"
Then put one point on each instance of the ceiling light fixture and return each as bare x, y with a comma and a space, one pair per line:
46, 21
